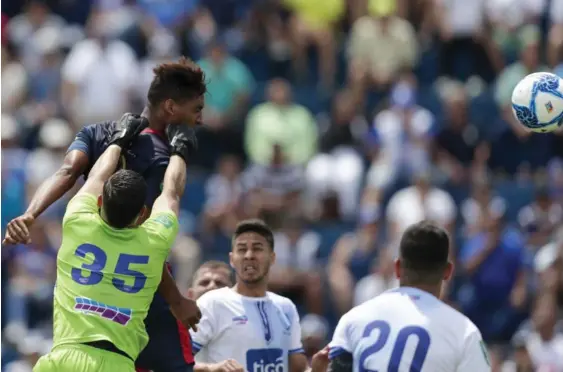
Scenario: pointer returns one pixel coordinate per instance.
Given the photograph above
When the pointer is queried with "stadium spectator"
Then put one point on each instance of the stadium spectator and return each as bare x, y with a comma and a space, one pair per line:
14, 82
223, 194
295, 273
466, 47
539, 219
339, 166
460, 147
352, 258
403, 125
98, 75
313, 22
496, 292
555, 37
271, 191
32, 279
482, 203
422, 201
280, 122
381, 279
381, 45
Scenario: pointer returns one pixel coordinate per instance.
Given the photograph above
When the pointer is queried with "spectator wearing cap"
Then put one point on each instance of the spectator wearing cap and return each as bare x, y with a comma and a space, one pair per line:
295, 273
460, 146
539, 219
381, 45
352, 257
495, 293
399, 139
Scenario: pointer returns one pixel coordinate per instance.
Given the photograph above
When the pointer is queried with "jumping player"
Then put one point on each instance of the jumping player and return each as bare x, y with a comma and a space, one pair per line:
409, 328
109, 265
176, 96
247, 328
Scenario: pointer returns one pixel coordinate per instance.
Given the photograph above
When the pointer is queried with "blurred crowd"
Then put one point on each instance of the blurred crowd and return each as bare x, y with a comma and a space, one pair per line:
339, 122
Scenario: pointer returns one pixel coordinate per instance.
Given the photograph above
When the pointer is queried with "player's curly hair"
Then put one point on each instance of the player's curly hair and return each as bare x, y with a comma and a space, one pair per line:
179, 81
256, 226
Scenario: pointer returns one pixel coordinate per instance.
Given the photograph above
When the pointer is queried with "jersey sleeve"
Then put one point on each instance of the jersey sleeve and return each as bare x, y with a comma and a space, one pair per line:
206, 327
81, 205
296, 344
475, 356
340, 343
163, 226
83, 141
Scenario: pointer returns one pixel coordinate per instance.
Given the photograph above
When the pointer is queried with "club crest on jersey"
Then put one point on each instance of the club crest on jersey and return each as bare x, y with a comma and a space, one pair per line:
164, 220
118, 315
240, 320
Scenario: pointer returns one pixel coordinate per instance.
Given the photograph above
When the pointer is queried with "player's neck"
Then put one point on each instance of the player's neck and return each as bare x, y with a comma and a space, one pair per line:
258, 290
432, 289
154, 121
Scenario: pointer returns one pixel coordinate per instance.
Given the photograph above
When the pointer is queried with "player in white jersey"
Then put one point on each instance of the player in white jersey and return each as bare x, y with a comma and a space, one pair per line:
409, 329
247, 328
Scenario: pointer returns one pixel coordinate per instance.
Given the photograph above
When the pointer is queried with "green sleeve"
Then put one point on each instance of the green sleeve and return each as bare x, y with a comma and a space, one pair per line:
162, 227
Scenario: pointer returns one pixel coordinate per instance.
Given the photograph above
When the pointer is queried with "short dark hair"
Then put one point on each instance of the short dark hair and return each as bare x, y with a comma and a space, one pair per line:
424, 251
212, 265
179, 81
123, 197
257, 226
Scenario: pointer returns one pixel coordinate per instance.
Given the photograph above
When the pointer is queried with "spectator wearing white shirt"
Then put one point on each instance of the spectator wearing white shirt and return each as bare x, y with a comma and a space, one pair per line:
98, 77
400, 138
480, 204
422, 201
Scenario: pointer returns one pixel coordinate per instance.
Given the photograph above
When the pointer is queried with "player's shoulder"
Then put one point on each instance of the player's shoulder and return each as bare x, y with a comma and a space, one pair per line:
219, 295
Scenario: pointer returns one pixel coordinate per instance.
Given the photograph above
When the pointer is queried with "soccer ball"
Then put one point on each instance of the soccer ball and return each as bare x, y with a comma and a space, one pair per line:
537, 102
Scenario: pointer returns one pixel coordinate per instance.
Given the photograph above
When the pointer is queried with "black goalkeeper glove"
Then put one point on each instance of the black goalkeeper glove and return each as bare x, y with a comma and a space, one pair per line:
127, 129
183, 140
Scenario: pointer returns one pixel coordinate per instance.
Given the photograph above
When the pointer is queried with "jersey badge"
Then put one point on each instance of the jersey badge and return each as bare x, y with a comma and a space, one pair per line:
240, 320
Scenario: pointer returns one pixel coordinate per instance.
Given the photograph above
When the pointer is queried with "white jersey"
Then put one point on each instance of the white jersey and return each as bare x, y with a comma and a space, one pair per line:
409, 330
258, 332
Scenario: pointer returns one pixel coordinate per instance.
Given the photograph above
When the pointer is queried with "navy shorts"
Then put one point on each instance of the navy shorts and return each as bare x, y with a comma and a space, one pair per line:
169, 348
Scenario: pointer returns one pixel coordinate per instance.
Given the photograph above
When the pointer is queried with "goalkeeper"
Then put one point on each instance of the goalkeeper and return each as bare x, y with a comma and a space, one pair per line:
109, 266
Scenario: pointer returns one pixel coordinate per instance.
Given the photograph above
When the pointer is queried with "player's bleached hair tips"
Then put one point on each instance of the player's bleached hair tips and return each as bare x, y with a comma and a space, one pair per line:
178, 81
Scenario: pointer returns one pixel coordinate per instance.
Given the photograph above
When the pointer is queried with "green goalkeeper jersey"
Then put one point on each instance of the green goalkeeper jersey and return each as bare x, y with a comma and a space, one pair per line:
106, 277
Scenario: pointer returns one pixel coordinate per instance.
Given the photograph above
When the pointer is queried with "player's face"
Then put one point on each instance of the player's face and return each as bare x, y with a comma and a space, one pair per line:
189, 112
251, 257
208, 280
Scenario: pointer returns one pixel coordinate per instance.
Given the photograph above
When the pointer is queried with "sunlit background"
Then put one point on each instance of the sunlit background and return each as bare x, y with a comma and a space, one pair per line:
339, 122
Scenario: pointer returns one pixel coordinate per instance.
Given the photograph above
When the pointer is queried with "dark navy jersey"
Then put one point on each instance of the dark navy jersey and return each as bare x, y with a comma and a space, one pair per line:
149, 154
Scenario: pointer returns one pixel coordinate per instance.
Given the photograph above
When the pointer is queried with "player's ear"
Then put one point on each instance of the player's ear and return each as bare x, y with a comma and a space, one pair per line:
272, 257
190, 293
169, 107
99, 201
231, 260
449, 271
398, 268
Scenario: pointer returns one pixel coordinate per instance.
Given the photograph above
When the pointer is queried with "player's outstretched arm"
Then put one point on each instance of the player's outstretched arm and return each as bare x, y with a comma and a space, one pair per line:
128, 128
183, 142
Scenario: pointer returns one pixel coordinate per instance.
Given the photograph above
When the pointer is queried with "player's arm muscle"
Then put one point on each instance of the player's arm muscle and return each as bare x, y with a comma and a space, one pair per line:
298, 362
102, 170
173, 186
343, 362
52, 189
